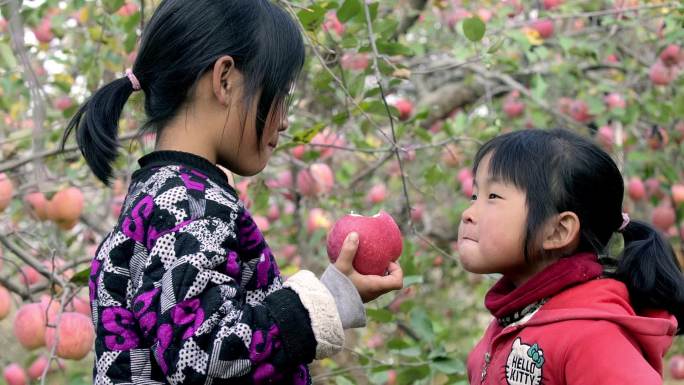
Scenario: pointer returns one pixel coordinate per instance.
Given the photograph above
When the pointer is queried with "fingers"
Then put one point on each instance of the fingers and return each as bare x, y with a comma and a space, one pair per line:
347, 253
395, 277
393, 281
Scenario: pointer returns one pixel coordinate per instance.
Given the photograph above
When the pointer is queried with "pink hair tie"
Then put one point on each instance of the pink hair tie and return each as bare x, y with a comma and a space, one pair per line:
133, 79
625, 221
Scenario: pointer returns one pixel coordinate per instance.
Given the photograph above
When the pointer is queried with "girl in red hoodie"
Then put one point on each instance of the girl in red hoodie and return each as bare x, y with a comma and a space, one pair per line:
544, 207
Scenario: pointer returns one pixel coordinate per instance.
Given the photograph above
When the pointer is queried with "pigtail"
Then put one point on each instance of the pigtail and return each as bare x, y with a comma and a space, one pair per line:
649, 268
96, 124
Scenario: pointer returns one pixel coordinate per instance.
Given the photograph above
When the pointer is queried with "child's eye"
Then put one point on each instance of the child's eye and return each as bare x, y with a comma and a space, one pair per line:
473, 197
493, 196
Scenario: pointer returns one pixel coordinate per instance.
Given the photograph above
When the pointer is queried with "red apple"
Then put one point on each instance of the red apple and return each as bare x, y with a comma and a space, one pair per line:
467, 187
380, 241
672, 55
417, 212
43, 31
127, 9
677, 367
29, 276
484, 14
456, 15
317, 179
5, 302
63, 102
273, 212
660, 75
636, 189
544, 27
261, 222
614, 100
464, 174
15, 375
580, 111
678, 193
73, 336
612, 59
35, 371
38, 204
354, 61
324, 139
405, 108
377, 194
298, 151
6, 191
606, 137
29, 325
513, 107
653, 188
66, 205
550, 4
657, 138
663, 217
333, 23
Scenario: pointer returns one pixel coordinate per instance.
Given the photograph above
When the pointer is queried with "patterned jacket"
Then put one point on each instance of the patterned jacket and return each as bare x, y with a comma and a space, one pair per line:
185, 290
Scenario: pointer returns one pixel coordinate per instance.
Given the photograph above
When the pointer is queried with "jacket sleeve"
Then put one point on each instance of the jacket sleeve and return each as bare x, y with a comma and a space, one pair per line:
603, 354
196, 315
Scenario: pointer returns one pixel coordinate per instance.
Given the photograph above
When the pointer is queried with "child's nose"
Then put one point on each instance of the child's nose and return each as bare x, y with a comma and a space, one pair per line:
468, 215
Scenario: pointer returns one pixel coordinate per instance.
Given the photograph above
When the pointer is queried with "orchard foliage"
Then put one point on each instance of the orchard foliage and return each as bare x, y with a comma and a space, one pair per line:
394, 99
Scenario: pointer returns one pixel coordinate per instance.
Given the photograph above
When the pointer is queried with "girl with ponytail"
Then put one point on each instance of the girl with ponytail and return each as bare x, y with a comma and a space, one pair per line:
544, 207
184, 289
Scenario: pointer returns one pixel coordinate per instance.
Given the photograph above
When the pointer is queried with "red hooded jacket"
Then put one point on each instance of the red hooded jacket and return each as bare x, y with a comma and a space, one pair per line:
586, 333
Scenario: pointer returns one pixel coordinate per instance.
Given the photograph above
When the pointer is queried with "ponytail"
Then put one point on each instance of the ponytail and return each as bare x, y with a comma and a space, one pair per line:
649, 268
96, 123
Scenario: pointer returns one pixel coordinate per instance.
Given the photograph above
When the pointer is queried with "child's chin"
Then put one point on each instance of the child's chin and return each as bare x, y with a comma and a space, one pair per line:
469, 263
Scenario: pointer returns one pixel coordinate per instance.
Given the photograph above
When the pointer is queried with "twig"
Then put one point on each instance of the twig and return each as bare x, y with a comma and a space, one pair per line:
378, 75
12, 164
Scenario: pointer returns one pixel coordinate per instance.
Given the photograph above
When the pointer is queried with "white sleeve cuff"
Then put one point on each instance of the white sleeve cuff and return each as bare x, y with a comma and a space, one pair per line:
325, 319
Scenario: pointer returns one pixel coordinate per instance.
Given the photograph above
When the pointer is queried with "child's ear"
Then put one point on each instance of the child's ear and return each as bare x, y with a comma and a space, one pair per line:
220, 79
561, 232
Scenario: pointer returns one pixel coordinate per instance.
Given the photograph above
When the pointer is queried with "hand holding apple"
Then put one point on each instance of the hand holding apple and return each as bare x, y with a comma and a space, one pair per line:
380, 241
370, 287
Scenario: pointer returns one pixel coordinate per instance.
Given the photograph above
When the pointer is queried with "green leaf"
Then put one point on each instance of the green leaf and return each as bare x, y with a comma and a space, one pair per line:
412, 374
7, 55
393, 48
311, 17
81, 278
434, 175
540, 86
495, 47
474, 28
113, 5
343, 381
380, 315
348, 10
448, 365
305, 136
412, 280
422, 325
678, 105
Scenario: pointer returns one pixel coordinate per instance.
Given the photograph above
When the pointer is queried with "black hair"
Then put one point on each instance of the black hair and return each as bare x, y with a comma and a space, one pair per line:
181, 42
562, 171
